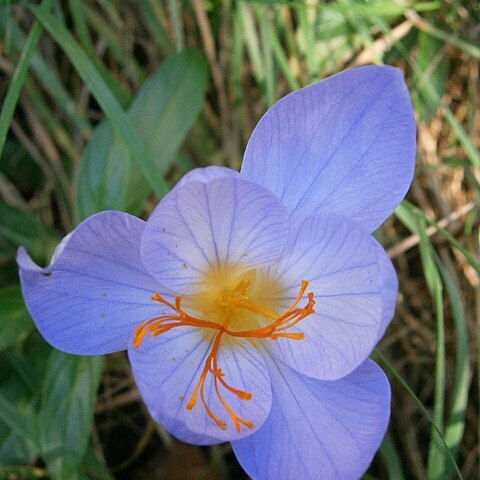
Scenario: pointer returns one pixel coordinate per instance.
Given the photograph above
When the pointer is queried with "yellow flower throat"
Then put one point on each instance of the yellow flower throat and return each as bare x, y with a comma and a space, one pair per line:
235, 305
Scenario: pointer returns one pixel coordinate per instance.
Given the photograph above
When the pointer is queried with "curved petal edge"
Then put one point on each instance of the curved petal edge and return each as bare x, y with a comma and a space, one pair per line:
95, 291
345, 145
168, 370
319, 429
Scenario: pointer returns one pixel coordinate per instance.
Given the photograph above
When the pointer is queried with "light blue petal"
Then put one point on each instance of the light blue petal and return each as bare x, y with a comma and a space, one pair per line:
206, 174
340, 260
167, 368
345, 145
95, 291
203, 175
205, 227
327, 430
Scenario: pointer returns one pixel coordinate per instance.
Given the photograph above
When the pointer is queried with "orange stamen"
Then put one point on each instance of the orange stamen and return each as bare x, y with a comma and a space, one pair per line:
235, 298
158, 325
212, 367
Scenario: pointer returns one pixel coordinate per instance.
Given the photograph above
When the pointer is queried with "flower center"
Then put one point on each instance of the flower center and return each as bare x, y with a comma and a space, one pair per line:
226, 310
239, 300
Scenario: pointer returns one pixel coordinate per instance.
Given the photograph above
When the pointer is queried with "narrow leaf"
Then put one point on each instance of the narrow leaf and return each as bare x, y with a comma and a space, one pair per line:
392, 370
16, 85
66, 412
15, 322
16, 420
104, 96
163, 111
19, 227
459, 394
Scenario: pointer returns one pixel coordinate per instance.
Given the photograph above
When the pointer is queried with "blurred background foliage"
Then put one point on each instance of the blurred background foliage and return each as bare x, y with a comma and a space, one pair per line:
106, 103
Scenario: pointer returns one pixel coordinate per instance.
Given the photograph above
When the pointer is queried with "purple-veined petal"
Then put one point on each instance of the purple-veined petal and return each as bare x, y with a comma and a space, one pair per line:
206, 174
167, 369
345, 146
340, 260
318, 429
207, 227
203, 175
95, 291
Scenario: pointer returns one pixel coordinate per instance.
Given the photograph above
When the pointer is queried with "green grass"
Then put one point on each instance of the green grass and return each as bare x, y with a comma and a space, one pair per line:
70, 145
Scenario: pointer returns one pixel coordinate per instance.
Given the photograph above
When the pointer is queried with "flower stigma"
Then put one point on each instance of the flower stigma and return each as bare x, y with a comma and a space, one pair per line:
240, 304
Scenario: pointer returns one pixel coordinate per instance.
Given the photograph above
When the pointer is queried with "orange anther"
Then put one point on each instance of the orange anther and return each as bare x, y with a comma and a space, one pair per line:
235, 298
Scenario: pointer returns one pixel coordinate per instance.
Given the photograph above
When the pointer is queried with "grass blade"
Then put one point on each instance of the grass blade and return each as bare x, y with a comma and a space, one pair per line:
391, 459
392, 370
45, 74
16, 85
436, 460
456, 420
102, 93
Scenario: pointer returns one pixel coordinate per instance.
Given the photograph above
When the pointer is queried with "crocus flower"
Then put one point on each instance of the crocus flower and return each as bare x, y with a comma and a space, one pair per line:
249, 302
